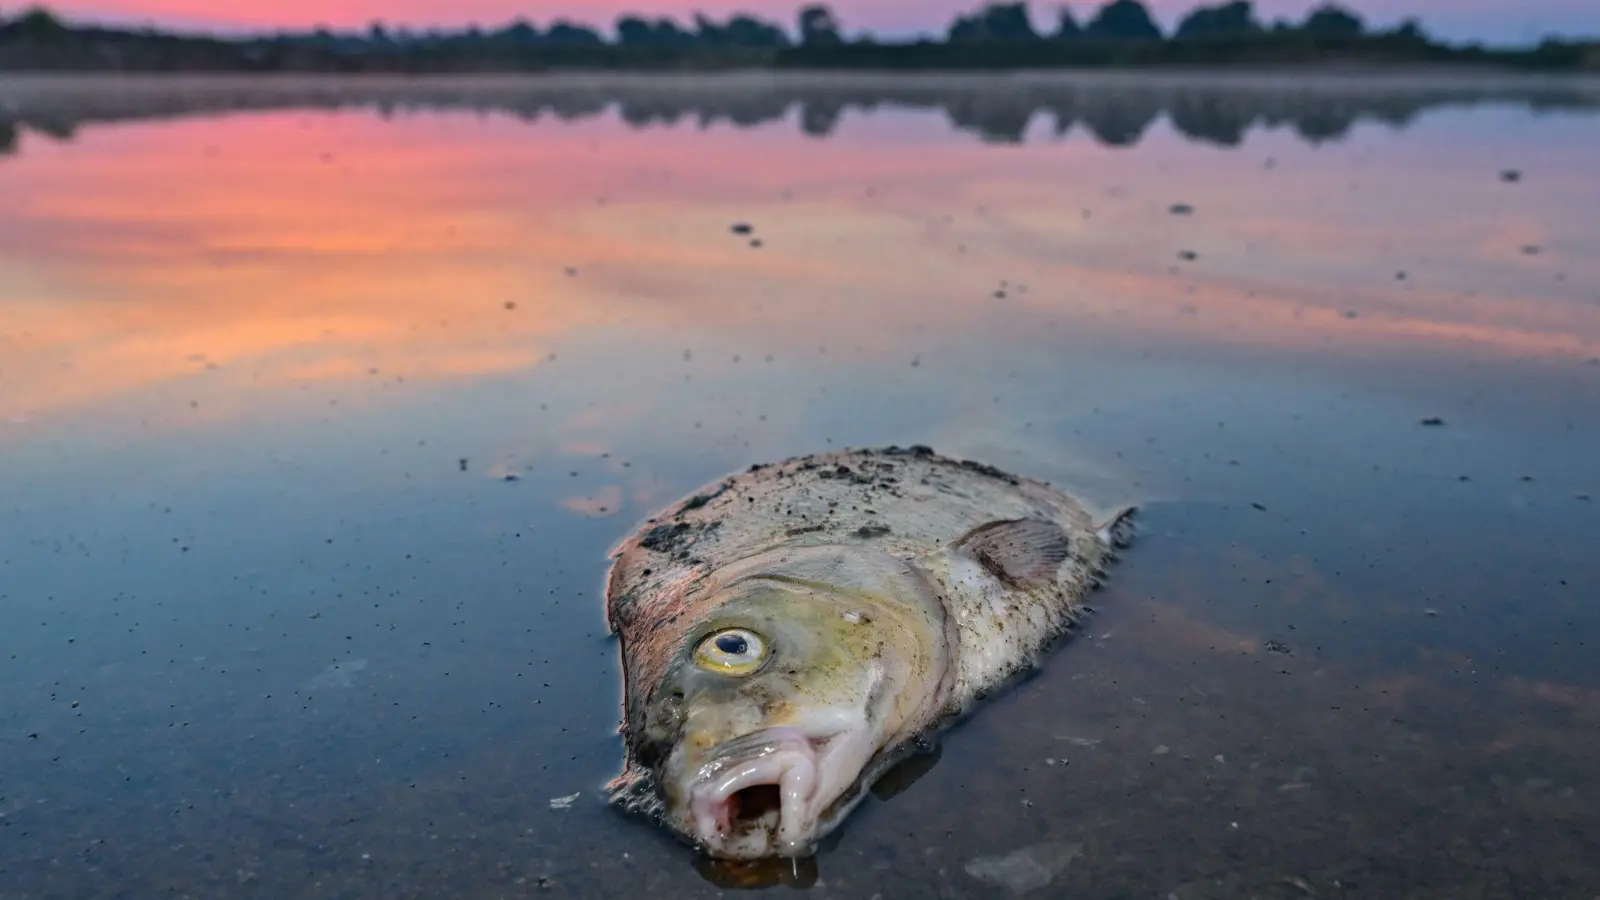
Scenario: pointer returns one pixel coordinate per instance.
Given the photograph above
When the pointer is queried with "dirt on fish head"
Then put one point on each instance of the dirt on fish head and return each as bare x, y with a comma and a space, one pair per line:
781, 704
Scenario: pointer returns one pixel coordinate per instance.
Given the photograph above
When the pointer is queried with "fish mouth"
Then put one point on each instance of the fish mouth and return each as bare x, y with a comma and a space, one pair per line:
759, 797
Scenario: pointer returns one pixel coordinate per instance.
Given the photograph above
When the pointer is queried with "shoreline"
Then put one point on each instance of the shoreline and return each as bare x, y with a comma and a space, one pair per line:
1271, 78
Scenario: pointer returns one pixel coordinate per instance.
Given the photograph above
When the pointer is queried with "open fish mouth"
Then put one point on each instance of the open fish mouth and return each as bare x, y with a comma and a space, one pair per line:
758, 796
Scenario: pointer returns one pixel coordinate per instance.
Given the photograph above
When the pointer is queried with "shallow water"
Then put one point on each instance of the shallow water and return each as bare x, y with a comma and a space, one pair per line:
276, 620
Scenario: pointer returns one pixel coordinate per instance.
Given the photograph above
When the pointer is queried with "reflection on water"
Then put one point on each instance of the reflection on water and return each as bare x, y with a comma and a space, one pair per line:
321, 402
1116, 110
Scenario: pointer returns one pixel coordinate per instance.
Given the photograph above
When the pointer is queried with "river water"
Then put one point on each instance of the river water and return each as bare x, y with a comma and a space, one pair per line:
322, 402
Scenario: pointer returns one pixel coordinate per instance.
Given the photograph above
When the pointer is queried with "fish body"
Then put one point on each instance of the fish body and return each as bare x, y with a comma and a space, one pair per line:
790, 633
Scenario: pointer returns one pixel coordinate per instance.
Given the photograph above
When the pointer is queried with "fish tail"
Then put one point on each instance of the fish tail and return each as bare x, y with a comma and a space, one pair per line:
1118, 529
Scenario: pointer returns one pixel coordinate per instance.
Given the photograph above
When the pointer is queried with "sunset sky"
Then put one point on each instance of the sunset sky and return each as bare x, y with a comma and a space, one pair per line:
1491, 20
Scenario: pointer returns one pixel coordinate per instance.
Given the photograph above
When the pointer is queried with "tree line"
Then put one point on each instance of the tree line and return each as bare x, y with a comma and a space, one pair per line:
998, 35
817, 25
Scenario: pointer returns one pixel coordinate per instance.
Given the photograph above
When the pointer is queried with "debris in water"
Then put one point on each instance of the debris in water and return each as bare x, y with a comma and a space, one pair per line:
1188, 255
742, 228
1433, 421
1298, 882
1028, 869
1181, 209
564, 802
1511, 176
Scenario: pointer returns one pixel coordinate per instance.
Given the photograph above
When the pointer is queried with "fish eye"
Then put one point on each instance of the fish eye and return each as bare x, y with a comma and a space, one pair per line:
731, 651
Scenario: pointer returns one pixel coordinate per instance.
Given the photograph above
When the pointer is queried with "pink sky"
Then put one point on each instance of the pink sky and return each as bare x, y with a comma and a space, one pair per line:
1475, 19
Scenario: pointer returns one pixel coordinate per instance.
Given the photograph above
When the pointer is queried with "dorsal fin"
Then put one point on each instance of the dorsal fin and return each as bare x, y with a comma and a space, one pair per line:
1023, 553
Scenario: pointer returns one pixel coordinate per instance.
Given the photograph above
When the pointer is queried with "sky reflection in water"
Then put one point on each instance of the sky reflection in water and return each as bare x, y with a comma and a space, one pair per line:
264, 377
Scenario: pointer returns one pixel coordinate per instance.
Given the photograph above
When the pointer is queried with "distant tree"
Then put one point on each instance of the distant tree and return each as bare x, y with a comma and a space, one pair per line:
669, 34
1410, 31
566, 34
1067, 27
1123, 20
521, 32
748, 31
1227, 20
378, 33
819, 27
1333, 21
633, 31
995, 22
708, 32
38, 22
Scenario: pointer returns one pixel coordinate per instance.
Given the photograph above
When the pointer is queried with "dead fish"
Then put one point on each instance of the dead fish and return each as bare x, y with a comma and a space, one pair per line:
791, 633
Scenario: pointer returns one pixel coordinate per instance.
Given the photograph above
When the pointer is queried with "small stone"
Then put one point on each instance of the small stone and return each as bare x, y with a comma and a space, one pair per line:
1188, 255
1511, 176
1180, 209
1432, 421
742, 228
1162, 750
1430, 612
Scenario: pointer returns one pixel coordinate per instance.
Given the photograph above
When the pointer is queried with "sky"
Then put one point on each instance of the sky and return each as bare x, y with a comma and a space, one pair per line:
1495, 21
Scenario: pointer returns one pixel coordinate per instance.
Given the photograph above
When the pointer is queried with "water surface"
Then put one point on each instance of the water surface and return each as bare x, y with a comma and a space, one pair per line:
321, 403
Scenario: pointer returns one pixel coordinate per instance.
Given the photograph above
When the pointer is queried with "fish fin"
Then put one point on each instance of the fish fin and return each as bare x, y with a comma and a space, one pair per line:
1024, 553
1118, 529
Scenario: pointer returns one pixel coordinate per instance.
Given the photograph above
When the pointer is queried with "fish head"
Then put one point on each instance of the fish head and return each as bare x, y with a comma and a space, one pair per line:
782, 705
